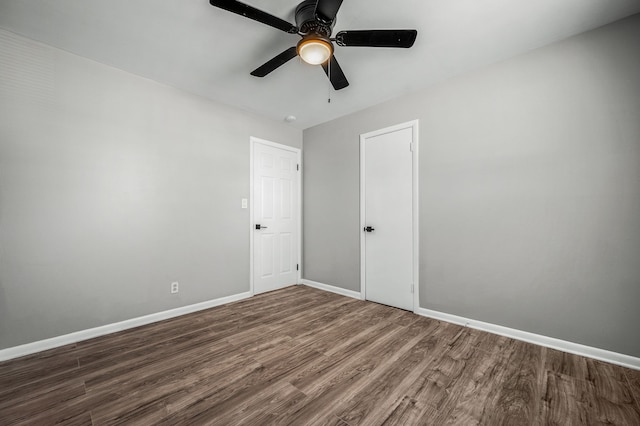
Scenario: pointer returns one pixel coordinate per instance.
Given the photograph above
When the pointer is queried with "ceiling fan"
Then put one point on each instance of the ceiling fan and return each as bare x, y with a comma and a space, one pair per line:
314, 23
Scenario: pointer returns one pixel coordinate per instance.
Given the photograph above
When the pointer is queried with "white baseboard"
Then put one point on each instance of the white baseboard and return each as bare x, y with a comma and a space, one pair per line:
549, 342
333, 289
54, 342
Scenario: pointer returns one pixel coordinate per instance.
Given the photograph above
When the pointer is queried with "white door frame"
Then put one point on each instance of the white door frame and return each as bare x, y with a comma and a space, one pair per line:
252, 141
413, 125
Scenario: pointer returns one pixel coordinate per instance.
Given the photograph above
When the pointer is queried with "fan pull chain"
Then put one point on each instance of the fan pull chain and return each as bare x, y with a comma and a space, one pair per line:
329, 82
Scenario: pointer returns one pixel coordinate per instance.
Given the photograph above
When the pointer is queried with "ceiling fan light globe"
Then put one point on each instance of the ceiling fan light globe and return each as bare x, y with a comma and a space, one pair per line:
315, 51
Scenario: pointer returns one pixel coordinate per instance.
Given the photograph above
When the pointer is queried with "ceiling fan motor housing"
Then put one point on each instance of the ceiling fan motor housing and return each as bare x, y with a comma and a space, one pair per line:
310, 23
315, 20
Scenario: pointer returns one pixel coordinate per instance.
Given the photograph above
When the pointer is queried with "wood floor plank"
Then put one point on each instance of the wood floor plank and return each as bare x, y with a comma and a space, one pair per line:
601, 372
267, 415
342, 314
103, 354
162, 381
373, 402
154, 349
608, 387
447, 379
42, 404
298, 323
314, 379
633, 378
23, 393
356, 377
157, 369
567, 399
304, 356
338, 380
15, 372
161, 360
82, 419
36, 360
92, 351
170, 395
567, 364
479, 389
208, 406
269, 399
494, 344
329, 420
520, 395
143, 355
318, 406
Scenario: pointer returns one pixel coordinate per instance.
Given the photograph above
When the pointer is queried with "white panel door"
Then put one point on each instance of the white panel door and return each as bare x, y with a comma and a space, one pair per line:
275, 217
388, 211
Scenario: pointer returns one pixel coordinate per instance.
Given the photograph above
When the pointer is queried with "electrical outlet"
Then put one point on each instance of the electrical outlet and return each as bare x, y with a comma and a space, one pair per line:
174, 287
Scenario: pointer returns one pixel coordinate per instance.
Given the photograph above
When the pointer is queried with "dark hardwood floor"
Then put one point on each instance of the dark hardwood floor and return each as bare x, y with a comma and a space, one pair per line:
303, 356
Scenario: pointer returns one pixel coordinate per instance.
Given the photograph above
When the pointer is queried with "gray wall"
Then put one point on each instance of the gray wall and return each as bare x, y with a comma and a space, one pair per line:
111, 187
529, 191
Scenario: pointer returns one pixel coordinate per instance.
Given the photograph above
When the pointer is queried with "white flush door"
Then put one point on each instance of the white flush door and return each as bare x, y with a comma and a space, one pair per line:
275, 216
387, 217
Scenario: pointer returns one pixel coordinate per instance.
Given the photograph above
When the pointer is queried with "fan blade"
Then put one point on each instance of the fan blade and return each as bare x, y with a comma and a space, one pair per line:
377, 38
255, 14
328, 9
276, 62
334, 72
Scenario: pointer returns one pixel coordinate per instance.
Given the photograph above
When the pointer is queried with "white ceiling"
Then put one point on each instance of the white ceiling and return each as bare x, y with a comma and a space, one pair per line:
204, 50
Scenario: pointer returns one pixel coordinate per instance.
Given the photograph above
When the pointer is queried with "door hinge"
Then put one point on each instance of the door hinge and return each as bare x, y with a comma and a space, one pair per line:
411, 146
411, 288
297, 267
297, 166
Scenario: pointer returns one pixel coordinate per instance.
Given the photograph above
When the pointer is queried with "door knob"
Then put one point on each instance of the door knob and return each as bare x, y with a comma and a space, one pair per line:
258, 226
369, 228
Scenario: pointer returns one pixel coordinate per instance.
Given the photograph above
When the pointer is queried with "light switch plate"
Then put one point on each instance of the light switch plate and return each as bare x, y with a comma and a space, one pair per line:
244, 203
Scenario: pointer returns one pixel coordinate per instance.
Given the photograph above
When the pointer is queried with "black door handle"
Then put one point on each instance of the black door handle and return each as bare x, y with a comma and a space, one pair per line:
369, 228
258, 226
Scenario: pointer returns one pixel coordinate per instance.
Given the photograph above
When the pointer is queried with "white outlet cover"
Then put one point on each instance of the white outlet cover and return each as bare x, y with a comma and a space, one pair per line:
175, 287
245, 203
